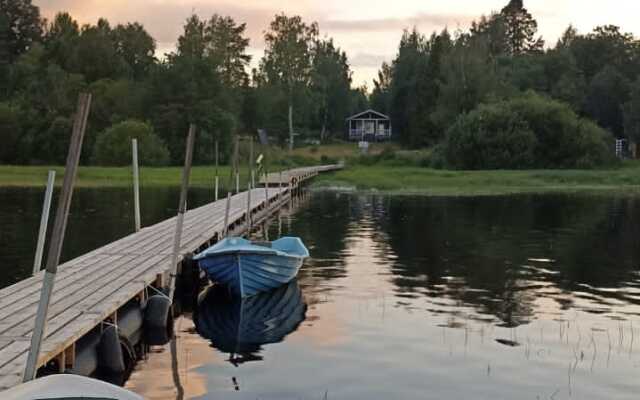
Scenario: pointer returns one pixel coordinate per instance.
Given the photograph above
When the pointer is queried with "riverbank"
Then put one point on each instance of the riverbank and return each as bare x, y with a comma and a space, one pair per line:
29, 176
391, 179
414, 180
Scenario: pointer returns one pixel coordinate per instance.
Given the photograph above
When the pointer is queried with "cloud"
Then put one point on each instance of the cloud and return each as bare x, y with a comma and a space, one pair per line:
398, 24
367, 60
163, 19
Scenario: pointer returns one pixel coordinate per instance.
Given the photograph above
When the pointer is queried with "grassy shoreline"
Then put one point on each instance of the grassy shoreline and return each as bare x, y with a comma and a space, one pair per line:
93, 177
414, 180
379, 178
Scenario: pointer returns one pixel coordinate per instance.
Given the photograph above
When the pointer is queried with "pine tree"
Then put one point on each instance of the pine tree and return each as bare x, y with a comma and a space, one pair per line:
520, 29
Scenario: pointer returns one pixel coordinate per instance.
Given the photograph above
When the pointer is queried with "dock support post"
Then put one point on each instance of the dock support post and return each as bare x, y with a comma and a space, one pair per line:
136, 183
251, 171
217, 177
216, 188
236, 163
280, 187
249, 222
44, 221
57, 238
226, 216
182, 208
266, 189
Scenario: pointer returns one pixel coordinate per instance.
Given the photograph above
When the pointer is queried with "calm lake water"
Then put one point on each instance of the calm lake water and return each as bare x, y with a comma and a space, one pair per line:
513, 297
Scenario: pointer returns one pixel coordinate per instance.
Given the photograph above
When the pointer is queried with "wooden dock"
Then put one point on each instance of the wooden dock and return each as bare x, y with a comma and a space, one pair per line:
296, 175
91, 288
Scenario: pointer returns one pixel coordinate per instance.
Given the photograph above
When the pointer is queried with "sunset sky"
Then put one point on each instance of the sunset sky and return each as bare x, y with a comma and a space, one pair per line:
368, 31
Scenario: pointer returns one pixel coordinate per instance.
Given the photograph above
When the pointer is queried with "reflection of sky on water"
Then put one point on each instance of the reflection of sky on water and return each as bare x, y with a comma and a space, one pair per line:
438, 298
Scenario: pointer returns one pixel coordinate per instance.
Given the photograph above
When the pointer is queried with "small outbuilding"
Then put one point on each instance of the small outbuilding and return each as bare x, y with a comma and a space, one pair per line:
369, 126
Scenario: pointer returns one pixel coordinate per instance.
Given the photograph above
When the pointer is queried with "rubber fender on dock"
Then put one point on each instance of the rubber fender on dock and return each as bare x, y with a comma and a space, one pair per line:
158, 321
130, 320
110, 355
86, 358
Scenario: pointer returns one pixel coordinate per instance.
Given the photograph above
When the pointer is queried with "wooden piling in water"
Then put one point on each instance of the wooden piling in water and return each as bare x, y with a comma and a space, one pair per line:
249, 222
44, 221
236, 156
217, 180
266, 187
182, 209
251, 171
57, 238
136, 183
226, 216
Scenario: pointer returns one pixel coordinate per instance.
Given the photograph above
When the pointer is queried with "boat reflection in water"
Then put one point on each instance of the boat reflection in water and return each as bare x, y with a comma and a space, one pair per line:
241, 327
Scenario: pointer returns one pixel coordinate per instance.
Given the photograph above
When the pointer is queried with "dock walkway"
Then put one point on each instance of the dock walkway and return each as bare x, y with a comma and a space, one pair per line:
91, 288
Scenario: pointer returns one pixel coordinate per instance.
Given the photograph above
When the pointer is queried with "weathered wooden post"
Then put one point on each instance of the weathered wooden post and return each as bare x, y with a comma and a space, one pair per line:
236, 163
182, 209
266, 188
44, 221
136, 183
251, 171
217, 177
226, 216
249, 222
280, 187
57, 237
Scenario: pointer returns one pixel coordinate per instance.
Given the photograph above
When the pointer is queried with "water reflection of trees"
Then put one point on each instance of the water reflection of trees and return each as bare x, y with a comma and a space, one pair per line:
478, 250
482, 251
322, 219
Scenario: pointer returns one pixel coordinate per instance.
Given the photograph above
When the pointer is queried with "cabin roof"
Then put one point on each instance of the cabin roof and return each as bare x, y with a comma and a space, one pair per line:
356, 116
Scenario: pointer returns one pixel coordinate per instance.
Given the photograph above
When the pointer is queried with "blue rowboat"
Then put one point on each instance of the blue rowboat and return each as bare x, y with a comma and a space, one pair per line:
241, 326
248, 268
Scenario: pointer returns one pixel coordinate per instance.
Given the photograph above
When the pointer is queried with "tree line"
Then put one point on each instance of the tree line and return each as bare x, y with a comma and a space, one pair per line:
493, 96
459, 92
302, 85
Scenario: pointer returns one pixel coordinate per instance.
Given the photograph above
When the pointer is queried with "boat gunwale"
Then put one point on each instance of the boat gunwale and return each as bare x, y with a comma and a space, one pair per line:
242, 252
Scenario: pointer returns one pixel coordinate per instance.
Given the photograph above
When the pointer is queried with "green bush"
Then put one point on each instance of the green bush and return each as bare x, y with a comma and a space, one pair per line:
326, 160
113, 146
10, 132
526, 132
394, 158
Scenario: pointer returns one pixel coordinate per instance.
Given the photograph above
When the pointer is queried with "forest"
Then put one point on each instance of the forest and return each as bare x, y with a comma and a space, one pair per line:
493, 96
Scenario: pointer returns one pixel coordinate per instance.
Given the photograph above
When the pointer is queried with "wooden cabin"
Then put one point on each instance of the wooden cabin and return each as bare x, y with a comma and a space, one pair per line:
369, 126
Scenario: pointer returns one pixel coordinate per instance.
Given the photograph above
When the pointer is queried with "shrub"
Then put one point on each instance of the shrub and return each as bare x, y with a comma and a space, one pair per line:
490, 137
113, 146
525, 132
10, 132
55, 141
325, 160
